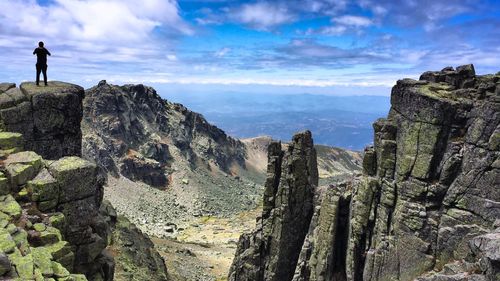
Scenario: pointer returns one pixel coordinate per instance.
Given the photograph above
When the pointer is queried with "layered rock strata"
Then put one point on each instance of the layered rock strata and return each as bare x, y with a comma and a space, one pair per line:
428, 204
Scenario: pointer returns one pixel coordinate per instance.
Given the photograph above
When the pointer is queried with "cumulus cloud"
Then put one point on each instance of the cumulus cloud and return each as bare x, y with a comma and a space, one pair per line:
91, 20
268, 15
96, 35
262, 15
342, 25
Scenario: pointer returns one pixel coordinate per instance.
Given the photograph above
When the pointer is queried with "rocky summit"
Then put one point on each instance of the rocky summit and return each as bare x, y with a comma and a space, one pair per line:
427, 206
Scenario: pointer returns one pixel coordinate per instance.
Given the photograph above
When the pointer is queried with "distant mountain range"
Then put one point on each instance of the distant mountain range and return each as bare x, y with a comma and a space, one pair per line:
342, 121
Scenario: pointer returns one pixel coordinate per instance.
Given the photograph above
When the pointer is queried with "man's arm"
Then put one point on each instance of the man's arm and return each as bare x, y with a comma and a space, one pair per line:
48, 53
34, 52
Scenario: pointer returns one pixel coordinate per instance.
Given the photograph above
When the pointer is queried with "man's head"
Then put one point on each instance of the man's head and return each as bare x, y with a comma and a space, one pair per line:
40, 44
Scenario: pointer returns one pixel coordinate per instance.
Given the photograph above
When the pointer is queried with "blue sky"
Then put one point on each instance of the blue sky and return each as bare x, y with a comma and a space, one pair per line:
336, 47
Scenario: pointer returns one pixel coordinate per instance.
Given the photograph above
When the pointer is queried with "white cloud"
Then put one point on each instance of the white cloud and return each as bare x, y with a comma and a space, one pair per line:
222, 52
262, 15
91, 20
91, 35
342, 25
355, 21
333, 30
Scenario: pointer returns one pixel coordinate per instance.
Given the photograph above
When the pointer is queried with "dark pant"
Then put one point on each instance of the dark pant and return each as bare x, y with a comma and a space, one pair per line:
43, 69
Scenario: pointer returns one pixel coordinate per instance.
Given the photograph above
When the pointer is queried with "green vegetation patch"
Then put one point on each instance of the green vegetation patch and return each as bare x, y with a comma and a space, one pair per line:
24, 265
7, 244
59, 249
59, 270
57, 220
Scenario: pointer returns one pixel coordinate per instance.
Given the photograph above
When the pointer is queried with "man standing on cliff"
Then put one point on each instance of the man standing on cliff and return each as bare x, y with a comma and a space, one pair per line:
41, 62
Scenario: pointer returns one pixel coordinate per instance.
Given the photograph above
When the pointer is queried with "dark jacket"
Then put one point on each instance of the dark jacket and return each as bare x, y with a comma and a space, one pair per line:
41, 55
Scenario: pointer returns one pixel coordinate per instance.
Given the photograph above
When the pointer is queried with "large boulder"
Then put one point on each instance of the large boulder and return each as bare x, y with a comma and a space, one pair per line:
76, 176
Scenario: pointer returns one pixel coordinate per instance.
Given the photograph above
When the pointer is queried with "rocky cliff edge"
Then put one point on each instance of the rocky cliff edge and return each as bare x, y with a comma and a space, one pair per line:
52, 223
426, 208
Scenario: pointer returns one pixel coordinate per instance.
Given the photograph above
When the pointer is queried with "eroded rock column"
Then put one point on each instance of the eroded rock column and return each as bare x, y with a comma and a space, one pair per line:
271, 252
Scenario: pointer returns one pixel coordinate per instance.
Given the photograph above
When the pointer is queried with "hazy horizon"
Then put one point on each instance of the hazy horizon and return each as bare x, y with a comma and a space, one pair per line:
340, 121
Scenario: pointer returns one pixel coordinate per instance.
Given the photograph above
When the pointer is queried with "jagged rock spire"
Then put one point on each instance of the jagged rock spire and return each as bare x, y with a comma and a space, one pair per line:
271, 252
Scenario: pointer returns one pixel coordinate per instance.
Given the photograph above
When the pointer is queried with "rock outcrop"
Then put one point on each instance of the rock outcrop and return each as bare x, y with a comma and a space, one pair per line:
48, 217
47, 117
51, 226
428, 204
130, 130
271, 251
137, 258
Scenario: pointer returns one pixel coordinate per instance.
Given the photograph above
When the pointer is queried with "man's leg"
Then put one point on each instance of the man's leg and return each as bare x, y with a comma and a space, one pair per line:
38, 70
44, 71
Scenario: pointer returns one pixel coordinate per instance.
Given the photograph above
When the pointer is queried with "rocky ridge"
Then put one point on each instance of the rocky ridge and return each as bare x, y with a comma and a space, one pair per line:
334, 164
427, 206
130, 130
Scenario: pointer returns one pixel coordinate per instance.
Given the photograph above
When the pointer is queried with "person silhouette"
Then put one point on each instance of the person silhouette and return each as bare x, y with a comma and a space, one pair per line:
41, 62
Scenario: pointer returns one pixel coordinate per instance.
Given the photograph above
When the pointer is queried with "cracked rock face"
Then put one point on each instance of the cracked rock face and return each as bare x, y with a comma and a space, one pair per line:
130, 130
428, 204
47, 117
48, 213
271, 251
